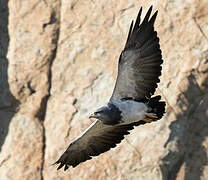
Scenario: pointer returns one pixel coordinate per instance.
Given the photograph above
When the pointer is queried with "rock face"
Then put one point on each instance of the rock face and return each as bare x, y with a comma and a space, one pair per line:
58, 63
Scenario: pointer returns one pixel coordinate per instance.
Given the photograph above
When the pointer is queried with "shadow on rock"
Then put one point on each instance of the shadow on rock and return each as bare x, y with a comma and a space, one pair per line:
186, 155
8, 104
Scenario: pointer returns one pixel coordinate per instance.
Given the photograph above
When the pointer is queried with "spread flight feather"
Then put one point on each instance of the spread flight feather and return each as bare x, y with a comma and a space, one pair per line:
139, 69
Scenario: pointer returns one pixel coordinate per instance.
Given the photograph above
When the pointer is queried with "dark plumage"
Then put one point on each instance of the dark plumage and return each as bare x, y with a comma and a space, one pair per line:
131, 103
156, 106
108, 137
140, 62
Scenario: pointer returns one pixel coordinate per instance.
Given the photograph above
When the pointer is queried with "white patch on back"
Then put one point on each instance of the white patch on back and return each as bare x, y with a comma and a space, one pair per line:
132, 111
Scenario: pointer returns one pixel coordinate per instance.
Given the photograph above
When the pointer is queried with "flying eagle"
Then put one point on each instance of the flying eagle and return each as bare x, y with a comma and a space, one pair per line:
131, 103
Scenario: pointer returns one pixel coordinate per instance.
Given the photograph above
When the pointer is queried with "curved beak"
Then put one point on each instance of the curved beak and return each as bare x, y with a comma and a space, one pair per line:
92, 116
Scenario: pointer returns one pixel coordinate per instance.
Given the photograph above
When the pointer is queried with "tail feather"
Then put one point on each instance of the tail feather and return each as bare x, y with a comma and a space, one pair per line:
156, 107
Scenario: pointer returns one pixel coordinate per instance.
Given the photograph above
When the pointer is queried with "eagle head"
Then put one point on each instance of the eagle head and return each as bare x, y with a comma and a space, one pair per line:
109, 114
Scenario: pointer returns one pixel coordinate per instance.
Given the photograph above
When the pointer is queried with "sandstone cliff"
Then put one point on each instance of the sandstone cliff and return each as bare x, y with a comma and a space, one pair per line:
58, 63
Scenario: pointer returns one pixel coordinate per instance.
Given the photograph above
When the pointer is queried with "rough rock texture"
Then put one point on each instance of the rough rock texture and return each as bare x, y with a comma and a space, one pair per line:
58, 61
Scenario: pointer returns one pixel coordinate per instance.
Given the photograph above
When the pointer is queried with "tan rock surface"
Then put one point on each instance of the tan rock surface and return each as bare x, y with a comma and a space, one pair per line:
58, 63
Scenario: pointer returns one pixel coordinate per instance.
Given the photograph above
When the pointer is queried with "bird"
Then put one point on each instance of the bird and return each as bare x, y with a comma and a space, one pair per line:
132, 102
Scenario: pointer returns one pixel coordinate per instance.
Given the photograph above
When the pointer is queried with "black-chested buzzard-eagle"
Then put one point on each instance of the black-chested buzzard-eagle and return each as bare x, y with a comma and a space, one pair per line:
131, 103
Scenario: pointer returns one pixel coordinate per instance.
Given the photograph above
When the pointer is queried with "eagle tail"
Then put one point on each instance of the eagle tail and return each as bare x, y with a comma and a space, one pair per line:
156, 108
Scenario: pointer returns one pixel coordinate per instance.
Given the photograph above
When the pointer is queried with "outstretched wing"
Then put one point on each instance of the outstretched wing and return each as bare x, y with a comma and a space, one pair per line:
96, 139
140, 62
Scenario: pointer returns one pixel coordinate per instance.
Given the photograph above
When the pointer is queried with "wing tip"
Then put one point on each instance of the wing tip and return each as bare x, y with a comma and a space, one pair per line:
146, 18
57, 162
62, 162
60, 165
153, 18
140, 10
130, 31
66, 166
134, 27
